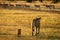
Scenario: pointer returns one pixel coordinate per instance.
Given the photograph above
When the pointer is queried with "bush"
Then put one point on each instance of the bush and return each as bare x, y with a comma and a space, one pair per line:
41, 0
56, 1
29, 0
10, 0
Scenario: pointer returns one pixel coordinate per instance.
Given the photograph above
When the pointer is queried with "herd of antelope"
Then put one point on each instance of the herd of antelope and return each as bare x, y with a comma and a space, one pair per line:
24, 6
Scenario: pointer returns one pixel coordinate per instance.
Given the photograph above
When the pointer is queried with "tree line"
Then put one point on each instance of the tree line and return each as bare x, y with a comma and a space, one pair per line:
53, 1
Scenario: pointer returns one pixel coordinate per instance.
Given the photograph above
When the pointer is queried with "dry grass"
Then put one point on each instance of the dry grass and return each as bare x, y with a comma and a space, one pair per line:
12, 20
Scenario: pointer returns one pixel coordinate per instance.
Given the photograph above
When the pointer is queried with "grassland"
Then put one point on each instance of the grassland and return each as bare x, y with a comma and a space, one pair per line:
12, 20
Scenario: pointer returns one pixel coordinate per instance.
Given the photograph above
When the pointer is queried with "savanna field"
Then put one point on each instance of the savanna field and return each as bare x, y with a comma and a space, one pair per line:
12, 20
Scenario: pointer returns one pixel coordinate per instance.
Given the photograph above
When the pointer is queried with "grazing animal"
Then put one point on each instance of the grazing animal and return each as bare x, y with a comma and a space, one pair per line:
5, 6
36, 24
37, 6
11, 6
18, 6
27, 6
1, 5
50, 6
